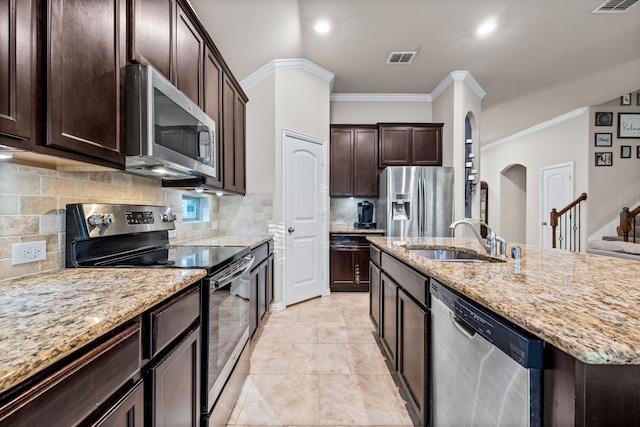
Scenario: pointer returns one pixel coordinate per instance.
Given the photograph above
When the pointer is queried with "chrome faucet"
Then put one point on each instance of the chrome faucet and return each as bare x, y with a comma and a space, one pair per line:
490, 244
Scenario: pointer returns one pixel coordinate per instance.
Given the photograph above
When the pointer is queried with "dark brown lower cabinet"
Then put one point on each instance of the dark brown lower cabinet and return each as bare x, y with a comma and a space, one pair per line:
261, 284
389, 317
85, 388
412, 351
374, 295
349, 262
580, 394
127, 412
174, 380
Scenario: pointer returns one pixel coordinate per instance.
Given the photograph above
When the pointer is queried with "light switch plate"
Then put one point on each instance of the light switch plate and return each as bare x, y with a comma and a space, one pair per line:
22, 253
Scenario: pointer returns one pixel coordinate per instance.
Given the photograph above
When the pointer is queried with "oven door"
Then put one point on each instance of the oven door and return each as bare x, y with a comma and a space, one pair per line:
225, 336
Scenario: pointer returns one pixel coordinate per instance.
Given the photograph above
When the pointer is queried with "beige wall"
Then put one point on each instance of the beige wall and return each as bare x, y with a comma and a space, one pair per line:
287, 99
552, 144
33, 200
372, 112
612, 187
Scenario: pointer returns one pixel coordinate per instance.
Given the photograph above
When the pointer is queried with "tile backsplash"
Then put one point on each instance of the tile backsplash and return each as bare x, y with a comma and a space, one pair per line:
33, 201
344, 211
252, 213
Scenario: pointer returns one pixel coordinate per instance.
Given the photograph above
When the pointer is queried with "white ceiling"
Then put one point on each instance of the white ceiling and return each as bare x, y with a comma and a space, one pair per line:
546, 58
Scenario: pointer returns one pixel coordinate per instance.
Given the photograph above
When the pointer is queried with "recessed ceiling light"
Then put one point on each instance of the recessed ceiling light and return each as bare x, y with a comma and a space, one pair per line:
486, 27
322, 27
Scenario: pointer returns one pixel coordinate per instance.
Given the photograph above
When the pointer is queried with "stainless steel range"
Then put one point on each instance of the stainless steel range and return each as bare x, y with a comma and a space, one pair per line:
121, 236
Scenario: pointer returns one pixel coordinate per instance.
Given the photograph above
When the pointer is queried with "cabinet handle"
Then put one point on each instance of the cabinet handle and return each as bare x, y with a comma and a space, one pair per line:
291, 229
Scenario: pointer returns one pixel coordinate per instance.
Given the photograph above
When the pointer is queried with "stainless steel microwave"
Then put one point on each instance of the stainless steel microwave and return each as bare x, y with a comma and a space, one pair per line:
167, 136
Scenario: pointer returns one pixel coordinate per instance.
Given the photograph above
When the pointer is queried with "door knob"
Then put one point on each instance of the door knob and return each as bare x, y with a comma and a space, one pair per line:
544, 223
291, 229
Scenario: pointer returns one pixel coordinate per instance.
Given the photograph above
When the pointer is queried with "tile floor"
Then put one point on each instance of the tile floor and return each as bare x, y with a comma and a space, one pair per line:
317, 363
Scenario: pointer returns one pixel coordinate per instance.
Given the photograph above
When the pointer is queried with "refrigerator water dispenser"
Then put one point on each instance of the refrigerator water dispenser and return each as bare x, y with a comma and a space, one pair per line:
401, 207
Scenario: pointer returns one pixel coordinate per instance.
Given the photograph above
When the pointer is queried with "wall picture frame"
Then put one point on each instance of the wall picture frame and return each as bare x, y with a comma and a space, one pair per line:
604, 158
628, 125
603, 139
625, 152
604, 118
625, 99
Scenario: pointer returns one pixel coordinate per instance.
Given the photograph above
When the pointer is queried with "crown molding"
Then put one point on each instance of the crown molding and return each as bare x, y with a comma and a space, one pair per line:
411, 97
464, 76
536, 128
287, 64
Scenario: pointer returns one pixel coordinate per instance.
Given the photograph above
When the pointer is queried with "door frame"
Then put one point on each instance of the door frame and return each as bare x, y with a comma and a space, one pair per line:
544, 216
324, 188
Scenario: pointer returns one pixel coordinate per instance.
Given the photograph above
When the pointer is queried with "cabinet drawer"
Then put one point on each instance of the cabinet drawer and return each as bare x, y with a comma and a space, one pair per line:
71, 394
374, 254
413, 283
168, 321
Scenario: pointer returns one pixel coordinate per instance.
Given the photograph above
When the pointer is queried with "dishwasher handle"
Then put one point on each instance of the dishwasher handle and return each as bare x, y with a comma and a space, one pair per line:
462, 327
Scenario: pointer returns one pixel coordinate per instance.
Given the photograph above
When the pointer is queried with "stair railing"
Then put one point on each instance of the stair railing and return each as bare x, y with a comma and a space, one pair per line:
628, 222
567, 221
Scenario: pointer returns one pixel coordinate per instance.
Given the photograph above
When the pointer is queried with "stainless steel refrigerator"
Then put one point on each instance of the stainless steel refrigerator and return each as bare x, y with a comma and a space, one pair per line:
415, 201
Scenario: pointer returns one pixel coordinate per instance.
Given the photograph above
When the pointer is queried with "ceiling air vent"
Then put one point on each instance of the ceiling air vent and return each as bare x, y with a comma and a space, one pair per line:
401, 57
615, 6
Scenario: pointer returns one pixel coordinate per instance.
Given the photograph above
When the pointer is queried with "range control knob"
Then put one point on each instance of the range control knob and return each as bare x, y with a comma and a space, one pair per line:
94, 220
107, 219
168, 217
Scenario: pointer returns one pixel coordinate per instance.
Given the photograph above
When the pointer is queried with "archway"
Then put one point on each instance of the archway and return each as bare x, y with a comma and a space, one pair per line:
513, 203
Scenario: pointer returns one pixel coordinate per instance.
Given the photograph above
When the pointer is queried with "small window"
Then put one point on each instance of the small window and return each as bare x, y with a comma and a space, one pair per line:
194, 209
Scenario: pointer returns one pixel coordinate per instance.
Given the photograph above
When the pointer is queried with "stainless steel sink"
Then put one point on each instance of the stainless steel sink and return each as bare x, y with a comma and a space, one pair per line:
448, 255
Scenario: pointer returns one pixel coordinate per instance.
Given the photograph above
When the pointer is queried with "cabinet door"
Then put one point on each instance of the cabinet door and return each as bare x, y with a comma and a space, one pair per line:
233, 134
239, 144
212, 103
342, 268
388, 317
365, 162
174, 382
412, 338
127, 412
395, 146
341, 172
374, 295
86, 77
151, 34
189, 55
426, 146
17, 72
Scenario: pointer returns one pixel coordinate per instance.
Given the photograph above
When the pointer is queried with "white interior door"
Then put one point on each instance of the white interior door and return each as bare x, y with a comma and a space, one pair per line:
557, 192
305, 247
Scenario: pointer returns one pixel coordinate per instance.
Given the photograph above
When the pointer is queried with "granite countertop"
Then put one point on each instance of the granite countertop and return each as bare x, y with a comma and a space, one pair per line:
46, 317
252, 240
345, 229
586, 305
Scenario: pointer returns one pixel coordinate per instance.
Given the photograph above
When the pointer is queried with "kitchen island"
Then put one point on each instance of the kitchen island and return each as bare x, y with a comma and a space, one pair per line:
585, 308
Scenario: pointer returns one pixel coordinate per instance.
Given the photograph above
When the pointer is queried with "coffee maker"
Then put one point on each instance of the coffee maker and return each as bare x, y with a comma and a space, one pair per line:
365, 215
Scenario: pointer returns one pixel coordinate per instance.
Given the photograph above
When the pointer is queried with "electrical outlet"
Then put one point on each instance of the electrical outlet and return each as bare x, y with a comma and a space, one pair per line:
22, 253
172, 234
214, 225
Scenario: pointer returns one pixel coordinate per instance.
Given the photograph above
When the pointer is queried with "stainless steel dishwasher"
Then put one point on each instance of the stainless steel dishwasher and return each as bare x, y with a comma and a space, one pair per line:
485, 371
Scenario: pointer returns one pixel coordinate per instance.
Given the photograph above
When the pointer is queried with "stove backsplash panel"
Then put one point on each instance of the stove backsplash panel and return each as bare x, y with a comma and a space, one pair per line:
33, 200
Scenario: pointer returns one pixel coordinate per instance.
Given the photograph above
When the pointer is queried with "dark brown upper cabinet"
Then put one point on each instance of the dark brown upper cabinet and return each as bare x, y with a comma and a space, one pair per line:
212, 84
189, 55
151, 34
85, 77
354, 161
405, 144
17, 75
233, 134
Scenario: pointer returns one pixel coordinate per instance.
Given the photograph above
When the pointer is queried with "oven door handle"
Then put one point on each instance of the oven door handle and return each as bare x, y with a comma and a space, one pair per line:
243, 268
